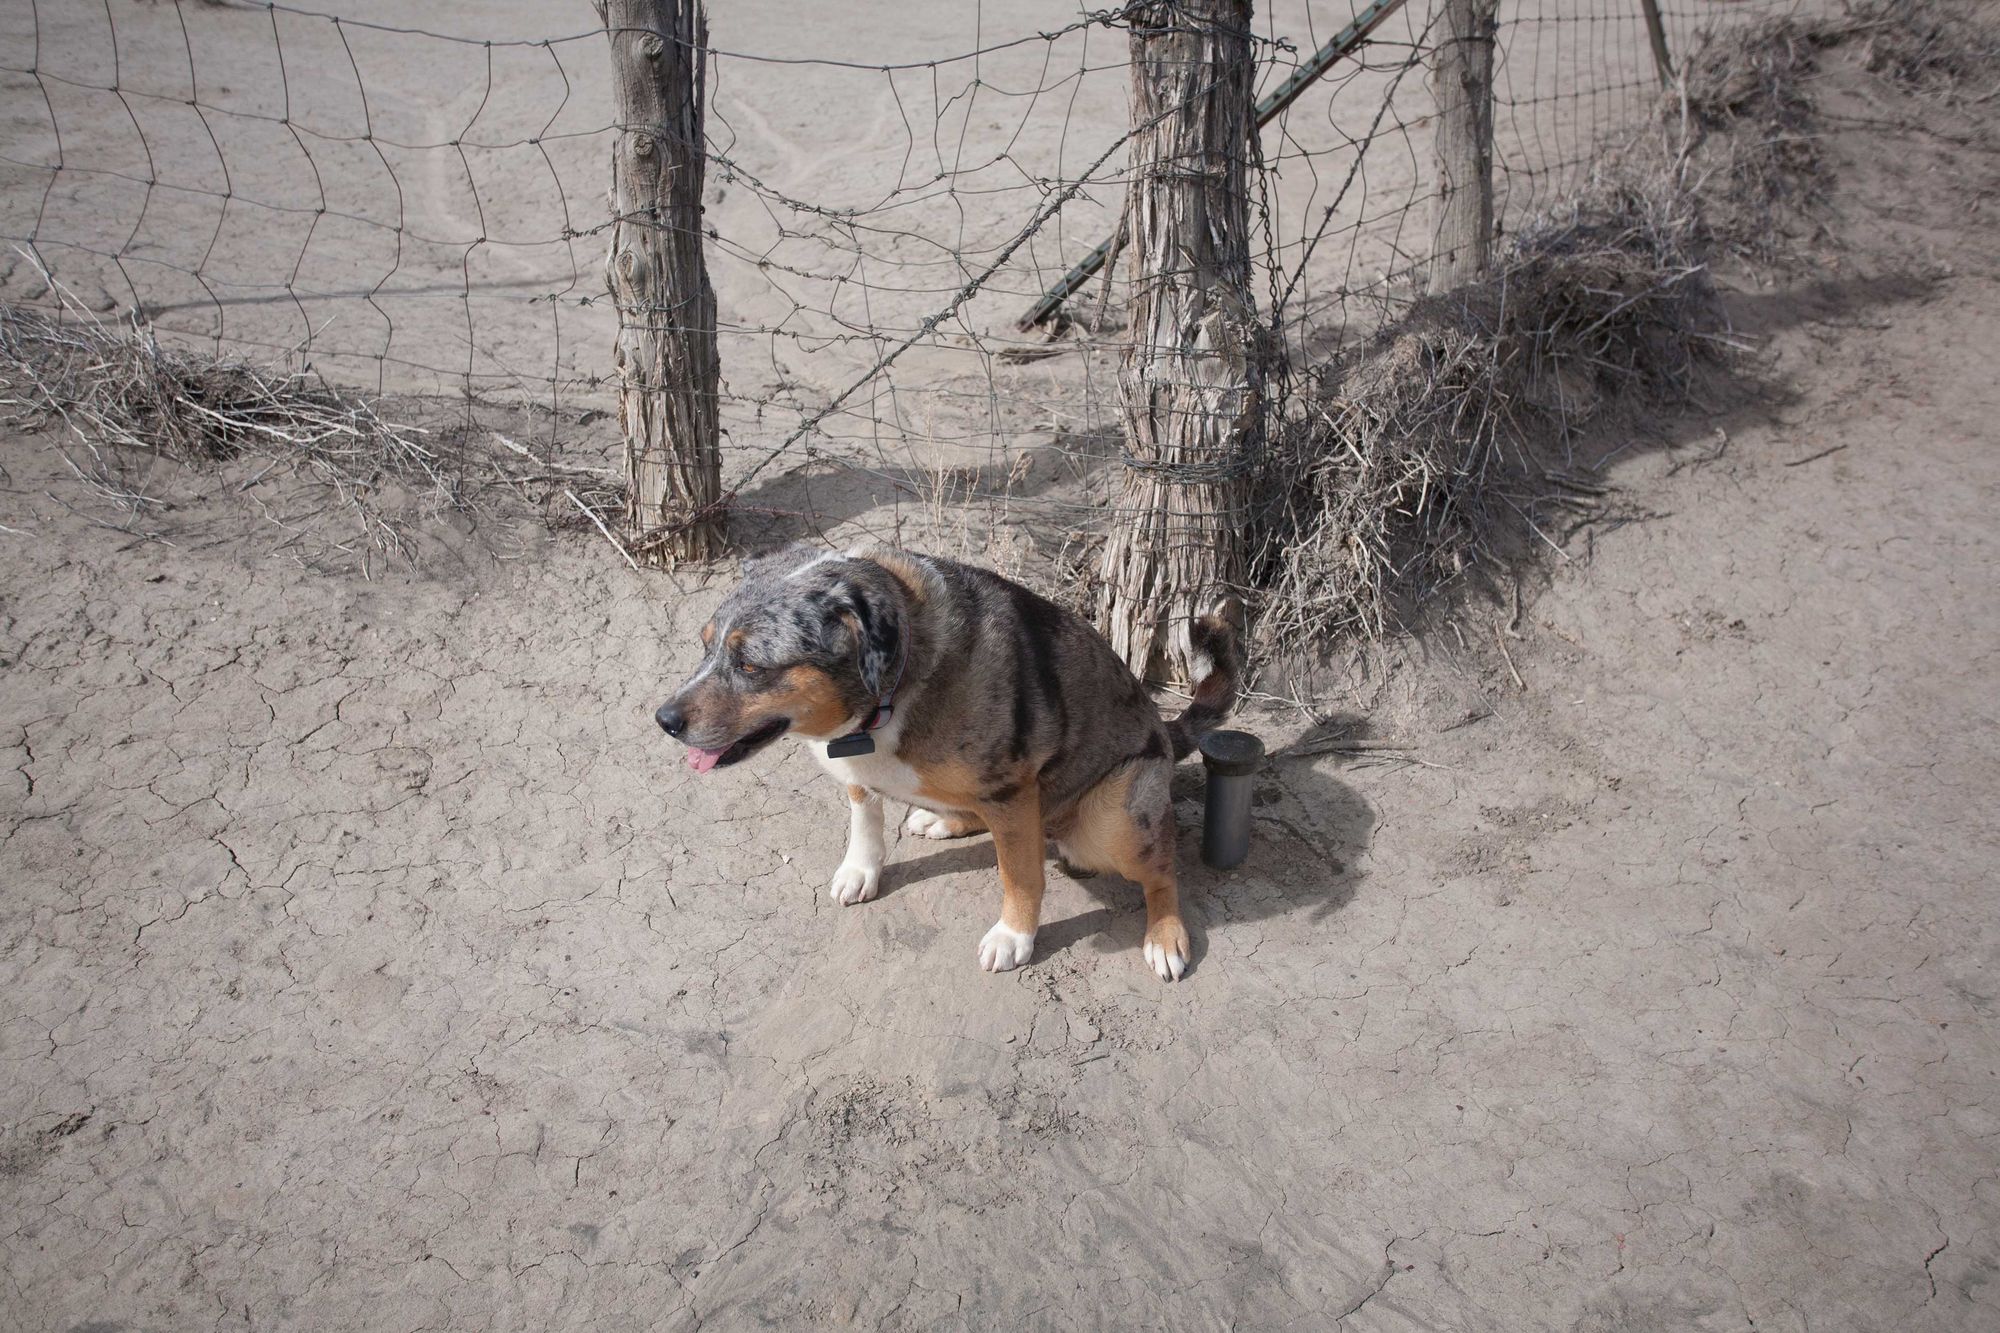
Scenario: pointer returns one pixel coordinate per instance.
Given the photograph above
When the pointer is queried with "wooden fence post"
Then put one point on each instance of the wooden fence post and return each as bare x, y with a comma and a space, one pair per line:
1344, 43
1462, 144
666, 353
1192, 384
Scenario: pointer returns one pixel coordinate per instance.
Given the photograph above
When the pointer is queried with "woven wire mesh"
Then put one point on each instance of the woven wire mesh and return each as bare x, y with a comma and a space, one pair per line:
420, 208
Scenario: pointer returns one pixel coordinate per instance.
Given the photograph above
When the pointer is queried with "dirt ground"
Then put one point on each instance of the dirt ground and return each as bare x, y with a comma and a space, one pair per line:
367, 960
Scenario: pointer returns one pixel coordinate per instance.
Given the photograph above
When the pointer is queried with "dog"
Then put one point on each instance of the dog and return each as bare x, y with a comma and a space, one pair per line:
982, 705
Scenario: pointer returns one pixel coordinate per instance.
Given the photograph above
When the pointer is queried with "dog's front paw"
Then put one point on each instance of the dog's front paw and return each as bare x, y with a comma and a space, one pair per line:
854, 883
1167, 948
1005, 948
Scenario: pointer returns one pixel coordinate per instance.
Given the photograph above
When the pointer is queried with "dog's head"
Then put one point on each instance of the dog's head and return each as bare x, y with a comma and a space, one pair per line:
809, 643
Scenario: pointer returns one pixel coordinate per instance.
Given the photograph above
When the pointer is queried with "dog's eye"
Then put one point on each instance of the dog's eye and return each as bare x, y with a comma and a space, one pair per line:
747, 668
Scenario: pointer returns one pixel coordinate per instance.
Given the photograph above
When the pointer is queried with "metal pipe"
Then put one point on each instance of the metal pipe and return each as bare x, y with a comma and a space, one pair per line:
1232, 759
1656, 32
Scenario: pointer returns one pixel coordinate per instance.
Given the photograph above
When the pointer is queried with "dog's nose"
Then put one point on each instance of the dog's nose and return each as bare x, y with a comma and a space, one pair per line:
671, 719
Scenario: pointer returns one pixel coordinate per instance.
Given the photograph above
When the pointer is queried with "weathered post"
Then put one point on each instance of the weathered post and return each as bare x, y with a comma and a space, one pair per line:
1462, 143
1354, 37
1192, 384
658, 279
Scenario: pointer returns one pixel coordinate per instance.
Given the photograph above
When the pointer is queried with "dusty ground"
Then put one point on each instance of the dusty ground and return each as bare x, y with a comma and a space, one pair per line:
368, 961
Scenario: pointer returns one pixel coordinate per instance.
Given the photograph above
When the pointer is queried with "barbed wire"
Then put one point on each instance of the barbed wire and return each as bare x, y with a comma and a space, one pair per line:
412, 209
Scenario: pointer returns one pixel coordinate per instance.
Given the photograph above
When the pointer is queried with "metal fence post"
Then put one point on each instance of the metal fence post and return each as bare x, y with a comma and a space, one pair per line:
1657, 31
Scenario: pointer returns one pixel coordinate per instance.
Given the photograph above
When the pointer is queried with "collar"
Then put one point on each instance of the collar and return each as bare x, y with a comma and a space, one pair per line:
859, 742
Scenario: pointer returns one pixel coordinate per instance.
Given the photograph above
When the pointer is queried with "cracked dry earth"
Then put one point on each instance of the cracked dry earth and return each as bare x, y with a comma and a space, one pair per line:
368, 961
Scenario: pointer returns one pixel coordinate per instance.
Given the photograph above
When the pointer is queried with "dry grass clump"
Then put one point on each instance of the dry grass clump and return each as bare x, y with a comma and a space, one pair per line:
121, 388
126, 398
1440, 448
1928, 48
1747, 118
1408, 457
1748, 111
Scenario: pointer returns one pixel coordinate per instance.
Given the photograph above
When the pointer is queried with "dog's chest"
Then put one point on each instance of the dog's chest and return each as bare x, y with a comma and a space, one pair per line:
881, 772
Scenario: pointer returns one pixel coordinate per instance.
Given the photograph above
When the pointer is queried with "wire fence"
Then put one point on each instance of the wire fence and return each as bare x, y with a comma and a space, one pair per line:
422, 210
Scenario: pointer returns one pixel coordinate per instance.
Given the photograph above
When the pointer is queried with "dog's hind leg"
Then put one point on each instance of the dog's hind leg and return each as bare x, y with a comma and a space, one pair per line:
1125, 824
1166, 949
924, 823
1019, 842
860, 875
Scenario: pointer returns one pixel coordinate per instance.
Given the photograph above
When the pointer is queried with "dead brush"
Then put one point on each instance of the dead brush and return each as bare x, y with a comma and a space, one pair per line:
1440, 449
1932, 48
1405, 462
1748, 139
128, 399
1747, 110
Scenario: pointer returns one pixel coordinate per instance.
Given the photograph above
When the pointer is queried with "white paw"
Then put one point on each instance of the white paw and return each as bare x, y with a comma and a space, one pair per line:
1005, 949
1167, 963
854, 883
924, 823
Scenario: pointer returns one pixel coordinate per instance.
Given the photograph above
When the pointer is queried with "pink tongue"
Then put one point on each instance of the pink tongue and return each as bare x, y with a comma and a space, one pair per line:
701, 760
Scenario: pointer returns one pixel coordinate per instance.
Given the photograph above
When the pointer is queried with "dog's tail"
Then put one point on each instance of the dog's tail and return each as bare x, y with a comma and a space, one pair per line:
1217, 640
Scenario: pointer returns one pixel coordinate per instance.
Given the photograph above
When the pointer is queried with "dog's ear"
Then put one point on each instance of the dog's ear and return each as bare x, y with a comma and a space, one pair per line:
875, 617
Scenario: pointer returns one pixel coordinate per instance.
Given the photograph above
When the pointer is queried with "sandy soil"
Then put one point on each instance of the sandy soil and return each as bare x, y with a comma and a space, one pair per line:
368, 961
